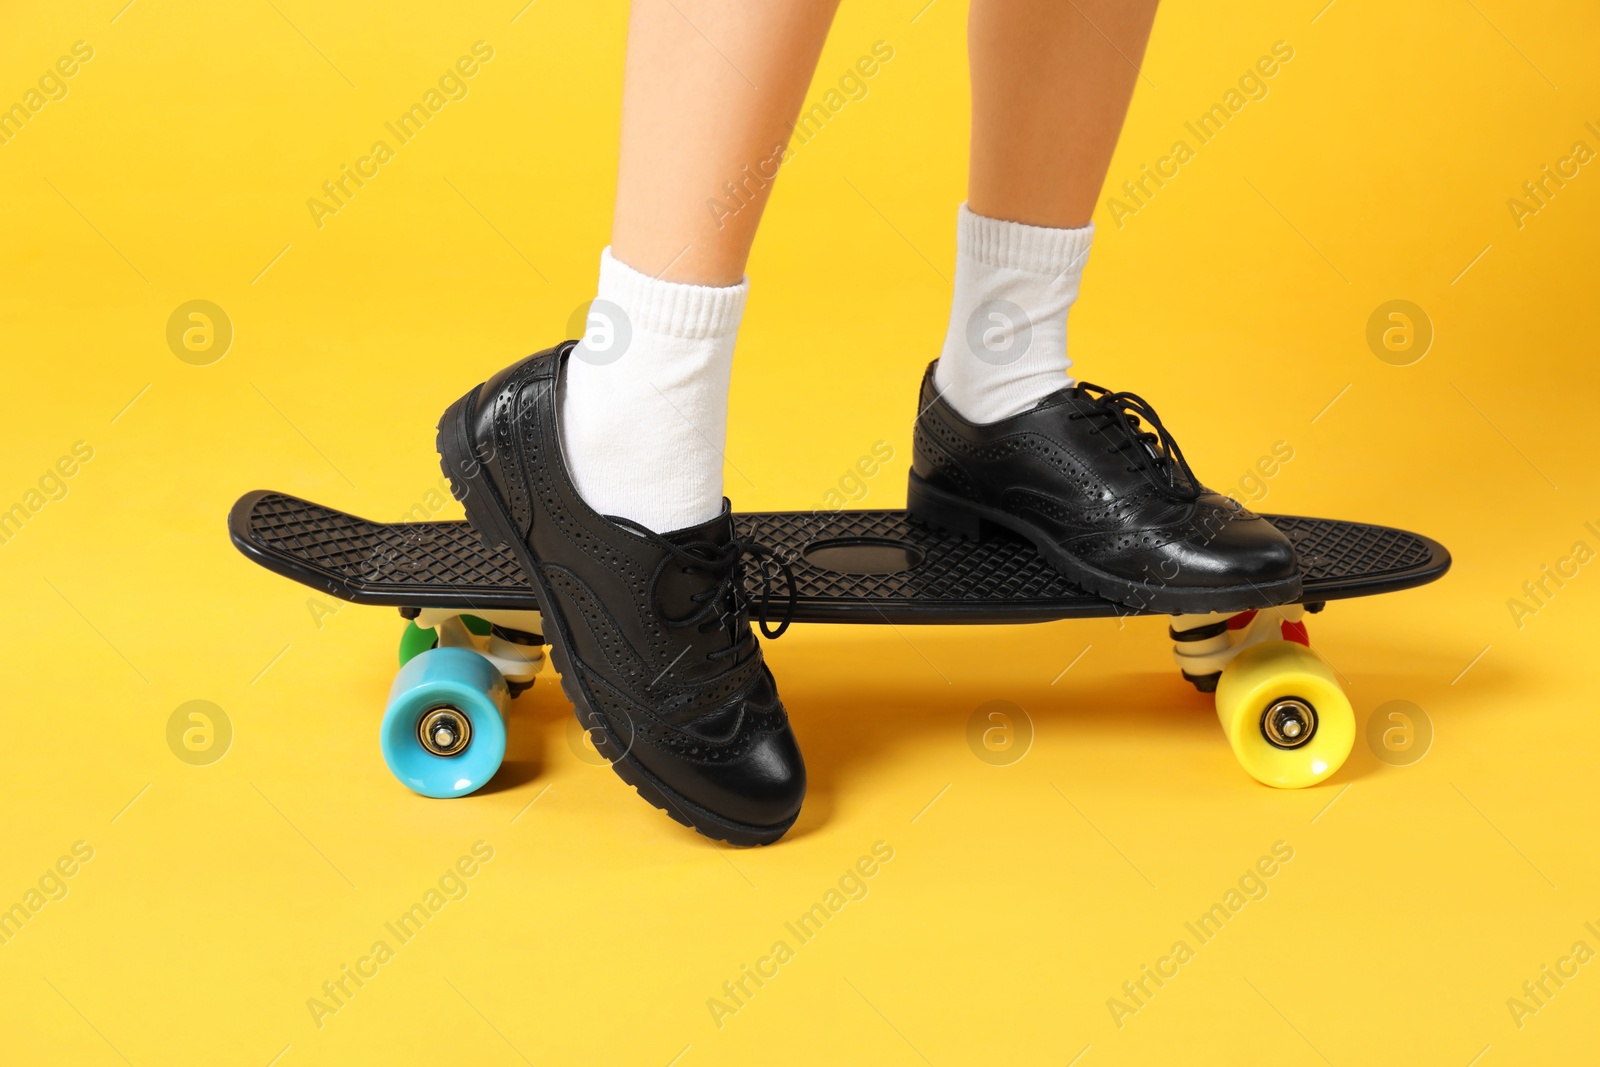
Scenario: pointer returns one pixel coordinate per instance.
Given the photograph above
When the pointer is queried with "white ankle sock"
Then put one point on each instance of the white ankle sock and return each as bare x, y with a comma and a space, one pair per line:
1006, 348
644, 412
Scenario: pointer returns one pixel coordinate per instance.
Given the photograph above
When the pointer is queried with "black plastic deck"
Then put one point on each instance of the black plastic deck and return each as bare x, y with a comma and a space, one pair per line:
921, 577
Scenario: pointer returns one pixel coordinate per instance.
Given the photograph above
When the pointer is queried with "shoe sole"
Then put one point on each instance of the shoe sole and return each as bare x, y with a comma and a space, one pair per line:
949, 513
489, 517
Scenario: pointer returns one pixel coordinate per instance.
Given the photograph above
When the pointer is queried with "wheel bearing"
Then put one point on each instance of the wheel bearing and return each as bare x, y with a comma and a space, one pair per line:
1289, 723
444, 731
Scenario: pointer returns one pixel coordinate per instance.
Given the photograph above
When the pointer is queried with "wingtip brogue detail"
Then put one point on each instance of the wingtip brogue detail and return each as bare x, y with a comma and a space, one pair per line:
1100, 486
651, 632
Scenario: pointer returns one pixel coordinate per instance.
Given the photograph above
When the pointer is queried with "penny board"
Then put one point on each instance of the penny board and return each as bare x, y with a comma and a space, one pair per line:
852, 566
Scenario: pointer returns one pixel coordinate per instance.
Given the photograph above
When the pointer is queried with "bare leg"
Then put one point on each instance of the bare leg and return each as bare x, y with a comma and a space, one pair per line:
711, 90
1051, 81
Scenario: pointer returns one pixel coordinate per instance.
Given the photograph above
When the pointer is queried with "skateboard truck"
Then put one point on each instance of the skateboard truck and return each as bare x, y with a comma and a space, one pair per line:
510, 640
1203, 645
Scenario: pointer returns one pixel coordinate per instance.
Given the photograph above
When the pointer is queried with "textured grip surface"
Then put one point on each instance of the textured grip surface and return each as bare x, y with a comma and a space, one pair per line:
444, 564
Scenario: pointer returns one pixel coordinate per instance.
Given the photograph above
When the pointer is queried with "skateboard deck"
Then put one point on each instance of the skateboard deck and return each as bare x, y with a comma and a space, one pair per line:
849, 566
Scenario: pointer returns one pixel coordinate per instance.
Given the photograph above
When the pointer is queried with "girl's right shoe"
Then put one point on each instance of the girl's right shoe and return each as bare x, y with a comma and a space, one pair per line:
650, 632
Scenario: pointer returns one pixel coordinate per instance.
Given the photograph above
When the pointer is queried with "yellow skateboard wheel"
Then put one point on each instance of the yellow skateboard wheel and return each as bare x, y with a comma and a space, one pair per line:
1285, 715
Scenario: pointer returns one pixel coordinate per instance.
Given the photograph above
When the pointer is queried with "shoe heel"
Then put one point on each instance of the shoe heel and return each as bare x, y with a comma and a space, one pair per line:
944, 512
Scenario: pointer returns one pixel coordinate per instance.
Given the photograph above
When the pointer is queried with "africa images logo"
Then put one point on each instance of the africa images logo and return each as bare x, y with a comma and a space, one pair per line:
1252, 85
452, 85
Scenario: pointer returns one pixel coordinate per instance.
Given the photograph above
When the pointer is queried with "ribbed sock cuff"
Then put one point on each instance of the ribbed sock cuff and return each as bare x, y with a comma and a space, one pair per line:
1018, 246
692, 312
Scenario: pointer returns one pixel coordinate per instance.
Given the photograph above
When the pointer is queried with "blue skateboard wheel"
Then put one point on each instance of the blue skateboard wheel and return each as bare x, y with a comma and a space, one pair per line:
444, 731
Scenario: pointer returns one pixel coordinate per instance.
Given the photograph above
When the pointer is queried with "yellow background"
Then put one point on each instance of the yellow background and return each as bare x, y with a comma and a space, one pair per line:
1020, 897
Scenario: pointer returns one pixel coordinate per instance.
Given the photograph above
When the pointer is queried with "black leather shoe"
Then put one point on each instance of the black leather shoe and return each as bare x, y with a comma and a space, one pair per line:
651, 632
1109, 503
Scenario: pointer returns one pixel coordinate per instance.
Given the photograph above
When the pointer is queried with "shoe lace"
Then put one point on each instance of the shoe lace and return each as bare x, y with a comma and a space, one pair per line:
726, 603
1150, 450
